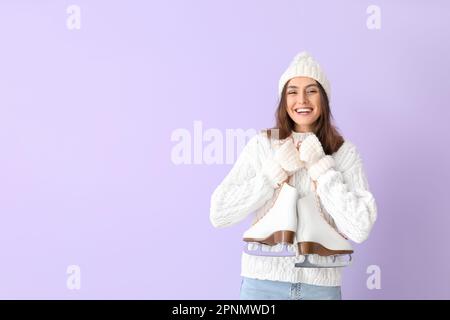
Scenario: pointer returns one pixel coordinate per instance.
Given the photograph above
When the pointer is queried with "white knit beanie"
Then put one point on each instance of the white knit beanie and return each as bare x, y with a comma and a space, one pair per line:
304, 65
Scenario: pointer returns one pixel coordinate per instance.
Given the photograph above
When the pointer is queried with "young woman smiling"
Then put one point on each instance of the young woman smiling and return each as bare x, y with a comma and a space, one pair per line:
303, 146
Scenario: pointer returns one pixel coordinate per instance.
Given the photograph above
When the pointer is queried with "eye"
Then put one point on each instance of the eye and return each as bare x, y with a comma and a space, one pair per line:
291, 92
312, 91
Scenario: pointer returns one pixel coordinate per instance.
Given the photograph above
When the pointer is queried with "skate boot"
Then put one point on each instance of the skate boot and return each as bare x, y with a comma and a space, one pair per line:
317, 239
276, 229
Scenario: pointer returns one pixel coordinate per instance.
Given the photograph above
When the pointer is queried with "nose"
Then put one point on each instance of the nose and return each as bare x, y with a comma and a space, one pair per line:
302, 99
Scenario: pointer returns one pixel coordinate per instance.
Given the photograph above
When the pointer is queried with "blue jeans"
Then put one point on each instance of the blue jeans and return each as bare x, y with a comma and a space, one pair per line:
255, 289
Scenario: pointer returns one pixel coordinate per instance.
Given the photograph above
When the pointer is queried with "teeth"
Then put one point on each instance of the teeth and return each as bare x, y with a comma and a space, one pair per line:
299, 110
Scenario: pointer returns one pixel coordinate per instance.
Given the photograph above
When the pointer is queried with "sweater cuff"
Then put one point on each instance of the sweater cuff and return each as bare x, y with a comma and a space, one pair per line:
274, 172
321, 166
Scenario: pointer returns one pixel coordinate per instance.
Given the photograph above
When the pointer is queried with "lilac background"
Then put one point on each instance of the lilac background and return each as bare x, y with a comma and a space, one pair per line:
86, 118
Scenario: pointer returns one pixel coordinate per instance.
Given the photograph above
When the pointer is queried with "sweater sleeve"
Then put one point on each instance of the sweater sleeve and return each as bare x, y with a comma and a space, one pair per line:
249, 184
344, 192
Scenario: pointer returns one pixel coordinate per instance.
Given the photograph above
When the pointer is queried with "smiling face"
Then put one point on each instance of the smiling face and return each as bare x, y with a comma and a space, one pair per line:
303, 102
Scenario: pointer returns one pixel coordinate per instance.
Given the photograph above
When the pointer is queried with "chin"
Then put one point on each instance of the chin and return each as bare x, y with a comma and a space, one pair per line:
304, 123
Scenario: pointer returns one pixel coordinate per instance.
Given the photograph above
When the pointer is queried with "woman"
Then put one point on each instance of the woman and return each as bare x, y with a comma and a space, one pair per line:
303, 145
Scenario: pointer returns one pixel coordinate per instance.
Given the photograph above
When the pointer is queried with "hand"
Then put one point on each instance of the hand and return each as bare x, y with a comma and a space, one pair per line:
317, 163
288, 157
311, 150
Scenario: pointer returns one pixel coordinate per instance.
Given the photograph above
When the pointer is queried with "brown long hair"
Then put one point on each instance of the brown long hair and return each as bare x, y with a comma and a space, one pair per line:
323, 128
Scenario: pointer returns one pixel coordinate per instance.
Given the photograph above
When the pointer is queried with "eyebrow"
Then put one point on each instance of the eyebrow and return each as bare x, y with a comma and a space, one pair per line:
309, 85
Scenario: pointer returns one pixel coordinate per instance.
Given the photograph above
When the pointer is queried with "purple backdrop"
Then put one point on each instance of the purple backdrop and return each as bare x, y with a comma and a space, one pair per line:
87, 176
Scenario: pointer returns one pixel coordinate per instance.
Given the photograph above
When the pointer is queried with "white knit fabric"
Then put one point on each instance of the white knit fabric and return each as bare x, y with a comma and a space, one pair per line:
317, 169
343, 191
304, 65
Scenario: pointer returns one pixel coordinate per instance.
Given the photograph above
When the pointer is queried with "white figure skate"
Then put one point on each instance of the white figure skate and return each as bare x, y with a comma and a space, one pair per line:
276, 228
315, 236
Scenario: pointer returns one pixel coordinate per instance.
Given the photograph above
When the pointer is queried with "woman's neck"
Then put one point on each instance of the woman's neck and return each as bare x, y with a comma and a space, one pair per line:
300, 136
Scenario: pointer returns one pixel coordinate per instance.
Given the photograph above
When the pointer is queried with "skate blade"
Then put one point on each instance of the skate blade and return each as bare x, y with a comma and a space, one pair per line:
307, 264
272, 252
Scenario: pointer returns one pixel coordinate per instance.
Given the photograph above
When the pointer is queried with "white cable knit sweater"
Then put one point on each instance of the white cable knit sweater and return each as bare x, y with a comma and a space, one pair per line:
248, 188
